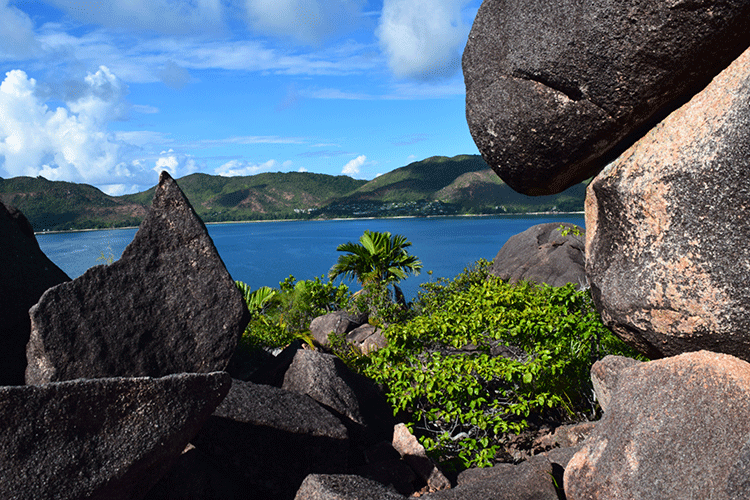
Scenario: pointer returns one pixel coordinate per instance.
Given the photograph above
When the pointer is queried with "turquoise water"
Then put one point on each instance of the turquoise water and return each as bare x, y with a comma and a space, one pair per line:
265, 253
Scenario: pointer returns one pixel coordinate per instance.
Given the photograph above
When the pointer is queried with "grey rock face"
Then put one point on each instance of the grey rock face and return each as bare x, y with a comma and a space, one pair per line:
554, 90
344, 487
354, 398
543, 255
667, 228
26, 274
271, 439
529, 480
674, 429
100, 439
167, 306
337, 322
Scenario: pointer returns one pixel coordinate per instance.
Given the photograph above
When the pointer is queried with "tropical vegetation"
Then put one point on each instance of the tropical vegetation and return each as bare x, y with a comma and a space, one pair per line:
472, 361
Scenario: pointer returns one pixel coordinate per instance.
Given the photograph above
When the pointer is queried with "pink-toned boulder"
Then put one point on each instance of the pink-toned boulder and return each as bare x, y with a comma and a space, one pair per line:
675, 429
667, 228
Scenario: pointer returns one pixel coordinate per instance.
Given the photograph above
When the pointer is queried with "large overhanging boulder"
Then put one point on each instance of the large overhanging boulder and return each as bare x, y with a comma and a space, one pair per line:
556, 89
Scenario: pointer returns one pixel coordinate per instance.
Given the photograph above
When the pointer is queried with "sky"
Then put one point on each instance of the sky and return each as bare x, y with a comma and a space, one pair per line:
112, 93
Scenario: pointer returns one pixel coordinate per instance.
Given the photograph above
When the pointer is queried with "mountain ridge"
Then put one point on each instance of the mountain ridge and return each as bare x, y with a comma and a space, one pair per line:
437, 185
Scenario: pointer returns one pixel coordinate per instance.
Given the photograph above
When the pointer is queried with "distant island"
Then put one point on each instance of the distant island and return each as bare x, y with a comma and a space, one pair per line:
461, 185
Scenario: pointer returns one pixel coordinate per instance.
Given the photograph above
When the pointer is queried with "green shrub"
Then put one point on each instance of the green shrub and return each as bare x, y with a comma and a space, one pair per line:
279, 316
482, 356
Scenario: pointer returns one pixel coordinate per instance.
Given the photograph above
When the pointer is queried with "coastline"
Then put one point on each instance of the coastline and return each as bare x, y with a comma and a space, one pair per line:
58, 231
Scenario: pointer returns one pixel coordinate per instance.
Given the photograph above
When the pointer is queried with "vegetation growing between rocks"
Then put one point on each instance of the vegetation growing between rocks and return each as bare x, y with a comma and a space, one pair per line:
280, 316
482, 356
472, 361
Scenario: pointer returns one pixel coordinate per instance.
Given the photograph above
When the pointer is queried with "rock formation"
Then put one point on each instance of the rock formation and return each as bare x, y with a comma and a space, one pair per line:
336, 322
26, 274
555, 90
667, 227
271, 439
674, 429
354, 399
100, 439
167, 306
544, 255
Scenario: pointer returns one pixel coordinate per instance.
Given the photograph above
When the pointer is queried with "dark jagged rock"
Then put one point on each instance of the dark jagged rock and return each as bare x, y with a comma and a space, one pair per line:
352, 397
543, 255
556, 90
100, 439
167, 306
344, 487
194, 476
674, 429
667, 228
26, 274
271, 439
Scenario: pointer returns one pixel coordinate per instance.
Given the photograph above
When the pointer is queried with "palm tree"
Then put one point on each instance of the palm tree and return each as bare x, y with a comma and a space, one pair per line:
378, 258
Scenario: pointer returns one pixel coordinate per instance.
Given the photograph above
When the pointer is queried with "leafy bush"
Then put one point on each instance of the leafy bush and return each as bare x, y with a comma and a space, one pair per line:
279, 316
482, 356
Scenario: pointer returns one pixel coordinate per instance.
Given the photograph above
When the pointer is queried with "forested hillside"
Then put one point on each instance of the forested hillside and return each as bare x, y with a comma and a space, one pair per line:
435, 186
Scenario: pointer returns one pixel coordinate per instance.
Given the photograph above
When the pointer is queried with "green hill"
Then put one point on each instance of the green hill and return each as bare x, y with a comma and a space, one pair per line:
56, 205
438, 185
257, 197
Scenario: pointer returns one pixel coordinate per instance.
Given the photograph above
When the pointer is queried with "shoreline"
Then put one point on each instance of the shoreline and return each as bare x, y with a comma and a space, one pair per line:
61, 231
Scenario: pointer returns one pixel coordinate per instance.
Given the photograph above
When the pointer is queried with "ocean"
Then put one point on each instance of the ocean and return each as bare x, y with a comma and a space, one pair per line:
265, 253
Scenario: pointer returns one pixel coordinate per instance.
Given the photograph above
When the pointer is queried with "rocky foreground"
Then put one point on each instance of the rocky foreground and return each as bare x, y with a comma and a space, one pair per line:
121, 384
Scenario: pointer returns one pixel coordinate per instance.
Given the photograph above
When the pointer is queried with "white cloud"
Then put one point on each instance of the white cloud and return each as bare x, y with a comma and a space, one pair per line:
352, 168
302, 169
243, 168
145, 109
422, 38
163, 16
308, 21
17, 40
70, 143
178, 165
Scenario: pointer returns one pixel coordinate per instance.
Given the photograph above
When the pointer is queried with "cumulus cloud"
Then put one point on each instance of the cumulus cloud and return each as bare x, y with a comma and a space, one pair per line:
308, 21
18, 39
177, 165
352, 168
66, 143
422, 38
73, 143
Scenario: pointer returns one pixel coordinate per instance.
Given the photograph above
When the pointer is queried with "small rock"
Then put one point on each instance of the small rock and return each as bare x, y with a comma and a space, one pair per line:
344, 487
414, 454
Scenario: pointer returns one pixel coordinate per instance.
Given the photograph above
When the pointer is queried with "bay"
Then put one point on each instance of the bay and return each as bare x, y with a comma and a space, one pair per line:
265, 253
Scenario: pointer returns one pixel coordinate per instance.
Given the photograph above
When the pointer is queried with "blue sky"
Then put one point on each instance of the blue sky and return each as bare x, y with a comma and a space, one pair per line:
111, 93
